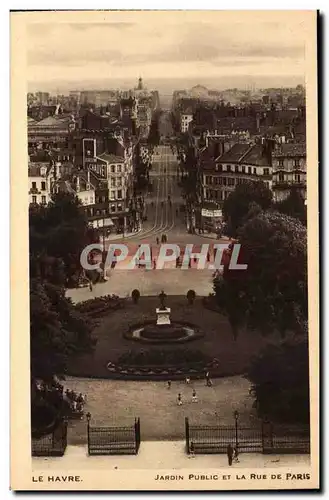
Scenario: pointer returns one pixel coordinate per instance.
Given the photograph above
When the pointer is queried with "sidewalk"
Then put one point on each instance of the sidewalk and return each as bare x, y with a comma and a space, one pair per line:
163, 455
116, 237
212, 236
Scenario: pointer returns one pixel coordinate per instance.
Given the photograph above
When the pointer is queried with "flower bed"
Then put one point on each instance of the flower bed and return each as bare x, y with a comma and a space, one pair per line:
100, 305
154, 372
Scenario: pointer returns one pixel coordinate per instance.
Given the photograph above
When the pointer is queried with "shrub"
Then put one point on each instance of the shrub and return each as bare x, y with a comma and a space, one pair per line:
135, 294
190, 296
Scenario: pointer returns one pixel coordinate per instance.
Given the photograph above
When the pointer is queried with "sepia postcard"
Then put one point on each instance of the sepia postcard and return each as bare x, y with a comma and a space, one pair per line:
164, 250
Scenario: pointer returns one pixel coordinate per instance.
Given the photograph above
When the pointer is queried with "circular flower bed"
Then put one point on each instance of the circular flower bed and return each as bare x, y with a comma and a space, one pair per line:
151, 333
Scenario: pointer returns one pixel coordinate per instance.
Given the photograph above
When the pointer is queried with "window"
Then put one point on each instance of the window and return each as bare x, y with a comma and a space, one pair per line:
236, 168
112, 182
281, 177
224, 181
119, 169
120, 194
119, 207
91, 199
112, 195
255, 171
34, 185
249, 170
220, 168
113, 169
112, 208
266, 171
297, 162
220, 181
43, 186
297, 177
243, 169
228, 168
34, 199
280, 163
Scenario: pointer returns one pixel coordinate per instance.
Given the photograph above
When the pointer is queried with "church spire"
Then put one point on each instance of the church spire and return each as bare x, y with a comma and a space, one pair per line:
140, 84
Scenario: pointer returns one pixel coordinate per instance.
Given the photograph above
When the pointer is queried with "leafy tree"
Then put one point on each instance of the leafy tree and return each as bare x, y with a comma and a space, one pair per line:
59, 231
237, 205
280, 381
294, 206
58, 331
271, 294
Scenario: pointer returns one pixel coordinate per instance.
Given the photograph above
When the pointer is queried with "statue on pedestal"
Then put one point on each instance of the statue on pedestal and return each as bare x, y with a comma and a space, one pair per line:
162, 297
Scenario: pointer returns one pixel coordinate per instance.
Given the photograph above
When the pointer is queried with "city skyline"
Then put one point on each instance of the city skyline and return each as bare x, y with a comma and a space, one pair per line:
161, 48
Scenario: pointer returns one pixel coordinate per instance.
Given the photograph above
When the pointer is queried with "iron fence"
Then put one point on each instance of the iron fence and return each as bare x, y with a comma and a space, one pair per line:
113, 440
262, 439
51, 445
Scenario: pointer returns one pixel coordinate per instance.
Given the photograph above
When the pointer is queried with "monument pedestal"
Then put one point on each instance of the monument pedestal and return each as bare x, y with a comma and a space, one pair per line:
163, 316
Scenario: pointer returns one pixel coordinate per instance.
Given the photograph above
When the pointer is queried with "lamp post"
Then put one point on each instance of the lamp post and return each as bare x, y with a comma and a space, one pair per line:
88, 417
236, 418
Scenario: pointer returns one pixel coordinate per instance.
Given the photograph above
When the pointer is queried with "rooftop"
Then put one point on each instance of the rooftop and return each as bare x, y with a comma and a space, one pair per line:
234, 154
34, 169
290, 149
110, 158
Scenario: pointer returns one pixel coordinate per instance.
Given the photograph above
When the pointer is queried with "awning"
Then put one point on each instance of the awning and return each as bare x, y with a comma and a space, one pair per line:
102, 223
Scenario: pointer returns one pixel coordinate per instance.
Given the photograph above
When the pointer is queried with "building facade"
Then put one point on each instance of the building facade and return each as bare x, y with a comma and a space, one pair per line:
289, 170
39, 184
241, 164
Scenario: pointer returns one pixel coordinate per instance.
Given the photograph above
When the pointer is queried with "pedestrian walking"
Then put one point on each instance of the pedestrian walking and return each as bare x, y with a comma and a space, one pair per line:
236, 455
169, 384
229, 454
179, 399
90, 286
194, 396
187, 380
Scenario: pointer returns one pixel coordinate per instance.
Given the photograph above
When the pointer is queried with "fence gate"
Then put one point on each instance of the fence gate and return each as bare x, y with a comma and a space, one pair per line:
114, 440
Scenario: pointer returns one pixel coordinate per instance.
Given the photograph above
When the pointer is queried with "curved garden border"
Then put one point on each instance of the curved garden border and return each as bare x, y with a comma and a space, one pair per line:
152, 372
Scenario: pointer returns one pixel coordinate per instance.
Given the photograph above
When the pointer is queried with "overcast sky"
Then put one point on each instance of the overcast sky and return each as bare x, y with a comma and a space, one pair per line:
158, 46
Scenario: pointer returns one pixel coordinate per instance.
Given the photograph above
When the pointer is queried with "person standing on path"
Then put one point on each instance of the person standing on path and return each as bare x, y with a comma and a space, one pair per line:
179, 399
229, 454
192, 451
194, 396
169, 384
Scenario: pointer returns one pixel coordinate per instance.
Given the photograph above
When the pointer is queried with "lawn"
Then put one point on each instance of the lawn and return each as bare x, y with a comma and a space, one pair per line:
234, 356
114, 402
